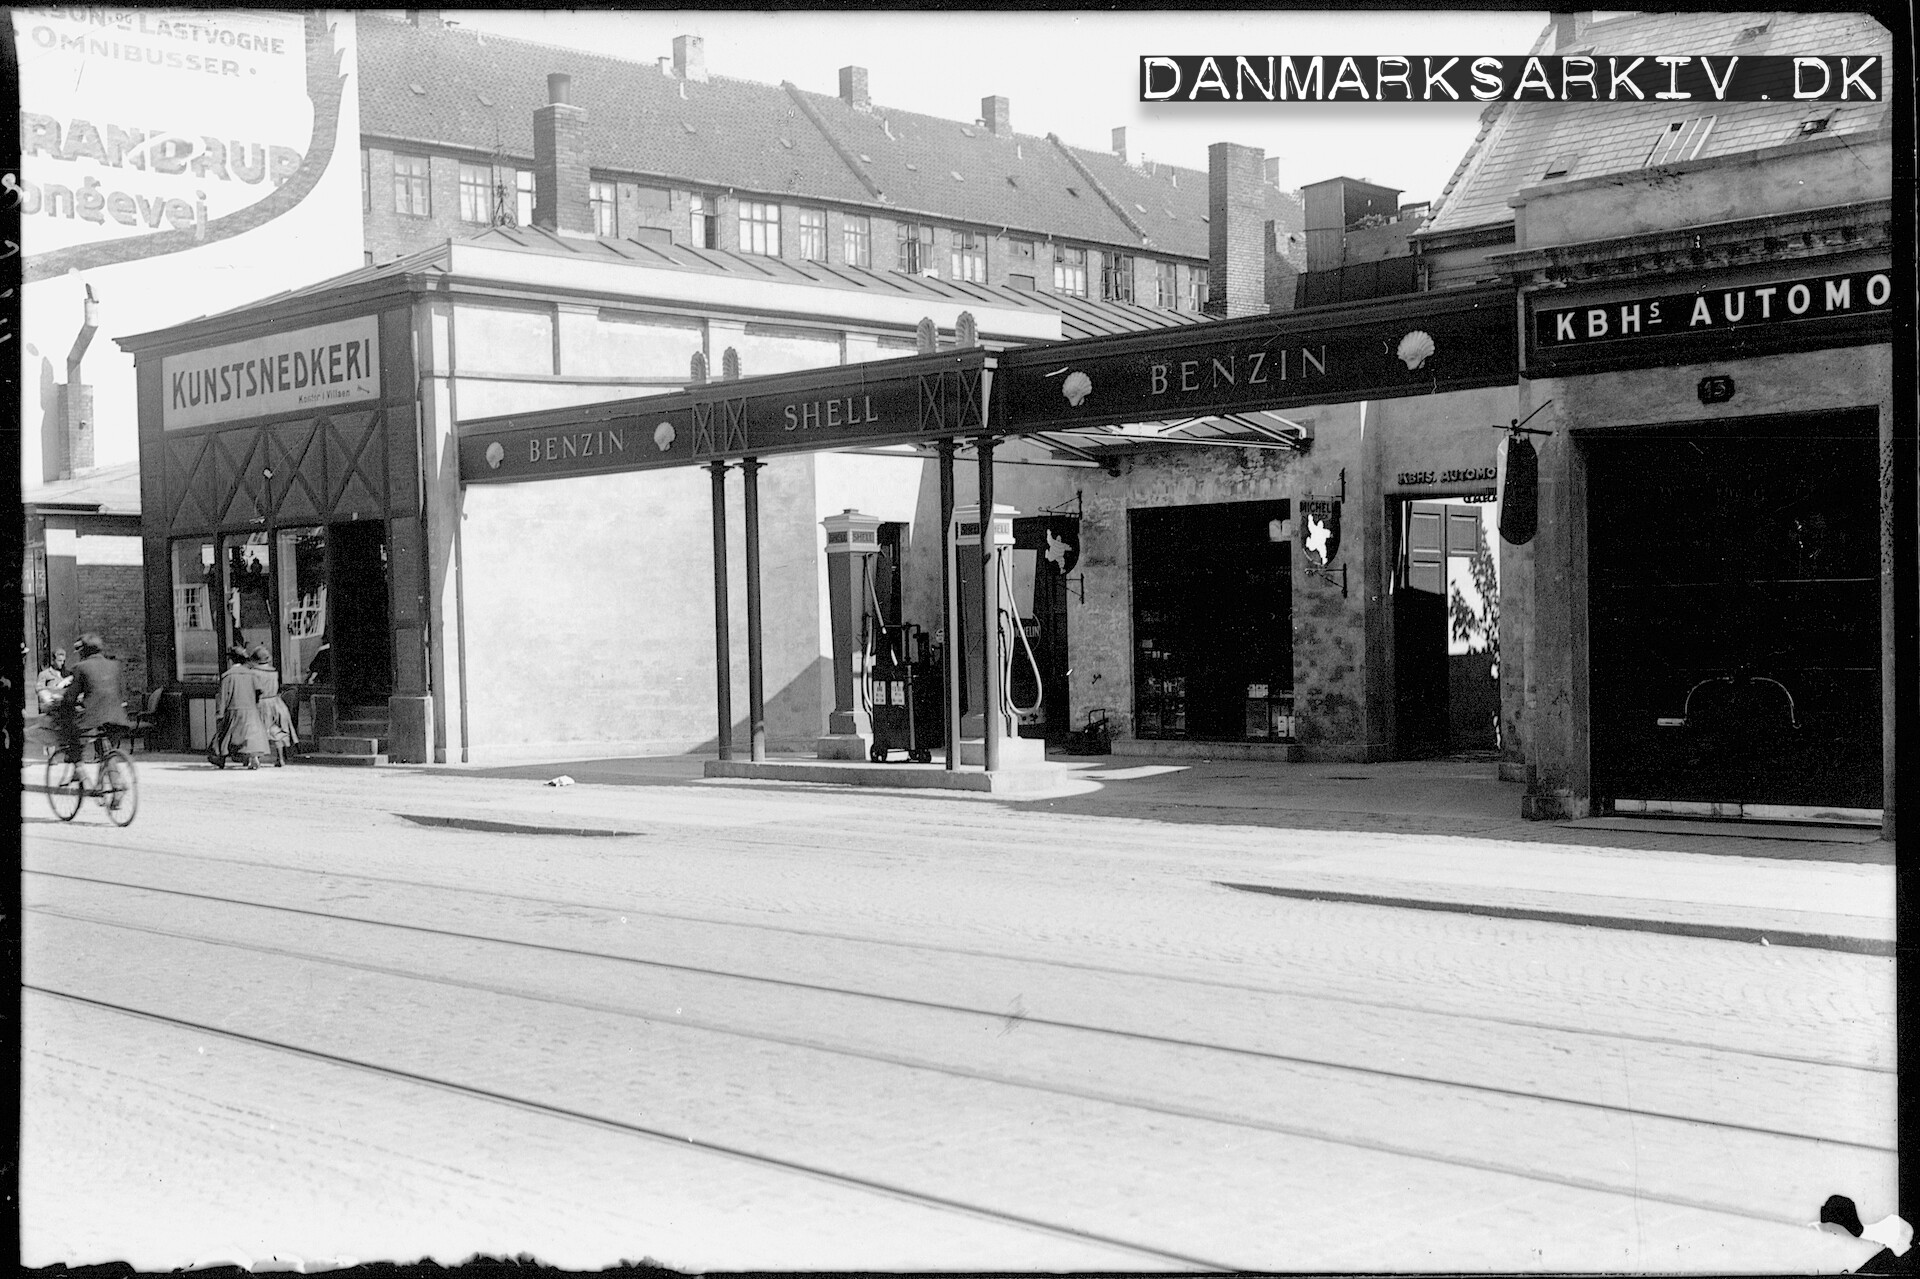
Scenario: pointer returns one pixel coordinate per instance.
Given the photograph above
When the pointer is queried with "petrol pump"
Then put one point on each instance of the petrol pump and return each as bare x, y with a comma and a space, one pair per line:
983, 675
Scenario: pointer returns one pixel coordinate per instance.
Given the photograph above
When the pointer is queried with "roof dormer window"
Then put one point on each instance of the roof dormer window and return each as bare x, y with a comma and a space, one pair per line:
1679, 141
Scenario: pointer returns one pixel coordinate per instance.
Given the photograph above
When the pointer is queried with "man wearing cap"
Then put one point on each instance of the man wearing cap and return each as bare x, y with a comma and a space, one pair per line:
94, 698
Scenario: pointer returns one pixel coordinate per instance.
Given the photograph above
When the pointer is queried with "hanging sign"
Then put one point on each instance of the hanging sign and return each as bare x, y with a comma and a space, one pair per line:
1320, 517
1519, 492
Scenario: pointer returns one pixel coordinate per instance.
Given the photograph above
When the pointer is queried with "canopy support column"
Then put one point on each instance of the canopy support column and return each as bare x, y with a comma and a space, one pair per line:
722, 640
992, 713
756, 696
950, 646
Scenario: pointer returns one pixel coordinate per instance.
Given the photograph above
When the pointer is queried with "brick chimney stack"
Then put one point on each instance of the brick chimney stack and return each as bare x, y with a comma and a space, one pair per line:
690, 58
853, 88
69, 446
1570, 30
1120, 144
1236, 230
560, 174
995, 112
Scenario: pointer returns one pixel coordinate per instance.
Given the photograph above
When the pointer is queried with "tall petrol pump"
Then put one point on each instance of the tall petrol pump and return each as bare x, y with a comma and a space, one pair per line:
983, 674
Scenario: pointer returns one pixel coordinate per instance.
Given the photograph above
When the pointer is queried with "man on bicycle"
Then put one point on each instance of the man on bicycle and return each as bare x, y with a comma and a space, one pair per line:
94, 701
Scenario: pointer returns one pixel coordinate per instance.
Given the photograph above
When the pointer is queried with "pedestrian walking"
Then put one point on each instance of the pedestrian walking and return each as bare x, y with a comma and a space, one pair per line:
274, 715
241, 735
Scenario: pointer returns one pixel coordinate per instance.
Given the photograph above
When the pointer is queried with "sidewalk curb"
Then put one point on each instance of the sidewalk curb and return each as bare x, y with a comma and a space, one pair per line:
1876, 946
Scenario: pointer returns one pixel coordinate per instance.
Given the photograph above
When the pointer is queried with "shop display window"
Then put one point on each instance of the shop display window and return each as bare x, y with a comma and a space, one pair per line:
196, 635
304, 623
249, 593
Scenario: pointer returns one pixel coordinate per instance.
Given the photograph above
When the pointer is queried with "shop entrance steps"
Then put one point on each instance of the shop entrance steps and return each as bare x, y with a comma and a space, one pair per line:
359, 739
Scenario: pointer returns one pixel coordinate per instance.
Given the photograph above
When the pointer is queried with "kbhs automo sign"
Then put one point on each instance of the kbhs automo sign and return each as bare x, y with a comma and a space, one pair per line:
1714, 310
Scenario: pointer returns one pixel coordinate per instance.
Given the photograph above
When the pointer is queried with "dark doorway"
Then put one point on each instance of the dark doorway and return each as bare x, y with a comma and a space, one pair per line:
1213, 622
361, 653
1446, 620
1734, 628
1046, 549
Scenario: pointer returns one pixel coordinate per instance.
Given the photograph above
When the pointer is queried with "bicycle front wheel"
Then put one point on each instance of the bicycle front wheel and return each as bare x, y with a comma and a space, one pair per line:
65, 788
120, 788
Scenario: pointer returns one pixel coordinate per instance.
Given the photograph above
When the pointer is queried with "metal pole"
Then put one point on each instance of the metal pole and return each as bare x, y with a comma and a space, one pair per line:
949, 608
990, 721
756, 700
722, 644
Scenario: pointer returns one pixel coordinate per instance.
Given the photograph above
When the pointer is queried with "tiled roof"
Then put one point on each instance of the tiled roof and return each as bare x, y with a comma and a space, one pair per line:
1518, 140
465, 89
109, 490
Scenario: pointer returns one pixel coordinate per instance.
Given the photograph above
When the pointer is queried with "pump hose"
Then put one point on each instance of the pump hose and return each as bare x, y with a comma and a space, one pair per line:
1006, 649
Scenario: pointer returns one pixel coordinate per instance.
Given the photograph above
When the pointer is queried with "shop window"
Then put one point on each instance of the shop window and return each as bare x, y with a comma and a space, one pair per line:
249, 590
1680, 140
760, 228
1116, 277
915, 248
523, 197
702, 221
856, 239
196, 637
1069, 270
304, 629
812, 224
412, 188
969, 256
476, 193
606, 216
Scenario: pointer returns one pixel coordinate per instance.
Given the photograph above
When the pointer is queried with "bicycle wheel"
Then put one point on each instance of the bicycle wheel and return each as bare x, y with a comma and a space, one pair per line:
66, 791
119, 788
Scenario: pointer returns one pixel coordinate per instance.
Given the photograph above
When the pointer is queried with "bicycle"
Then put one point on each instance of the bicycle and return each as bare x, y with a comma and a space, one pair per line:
115, 782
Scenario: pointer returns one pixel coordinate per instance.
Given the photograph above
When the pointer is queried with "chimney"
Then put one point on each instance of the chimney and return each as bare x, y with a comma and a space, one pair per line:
1570, 30
853, 88
560, 175
997, 117
69, 446
1236, 230
425, 19
690, 58
1120, 144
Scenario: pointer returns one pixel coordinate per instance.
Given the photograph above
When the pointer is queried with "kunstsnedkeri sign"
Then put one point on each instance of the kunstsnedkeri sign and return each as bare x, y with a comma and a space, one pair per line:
1271, 361
325, 367
885, 402
1724, 321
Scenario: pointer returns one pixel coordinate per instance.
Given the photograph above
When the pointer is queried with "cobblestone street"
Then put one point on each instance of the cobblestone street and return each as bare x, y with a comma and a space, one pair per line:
389, 1014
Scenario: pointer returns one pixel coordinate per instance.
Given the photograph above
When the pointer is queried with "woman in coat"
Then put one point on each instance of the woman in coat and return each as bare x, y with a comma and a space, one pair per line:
242, 735
273, 711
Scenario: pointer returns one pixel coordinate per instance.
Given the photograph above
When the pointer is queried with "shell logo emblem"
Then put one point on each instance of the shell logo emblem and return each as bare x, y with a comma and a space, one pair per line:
1076, 388
663, 436
1415, 349
495, 455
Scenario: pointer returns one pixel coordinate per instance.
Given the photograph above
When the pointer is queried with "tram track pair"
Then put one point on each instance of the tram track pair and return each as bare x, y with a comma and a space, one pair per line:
1635, 1190
1262, 989
896, 1000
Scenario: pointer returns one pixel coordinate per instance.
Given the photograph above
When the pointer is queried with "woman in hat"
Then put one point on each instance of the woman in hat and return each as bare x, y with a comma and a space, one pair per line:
242, 734
273, 711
